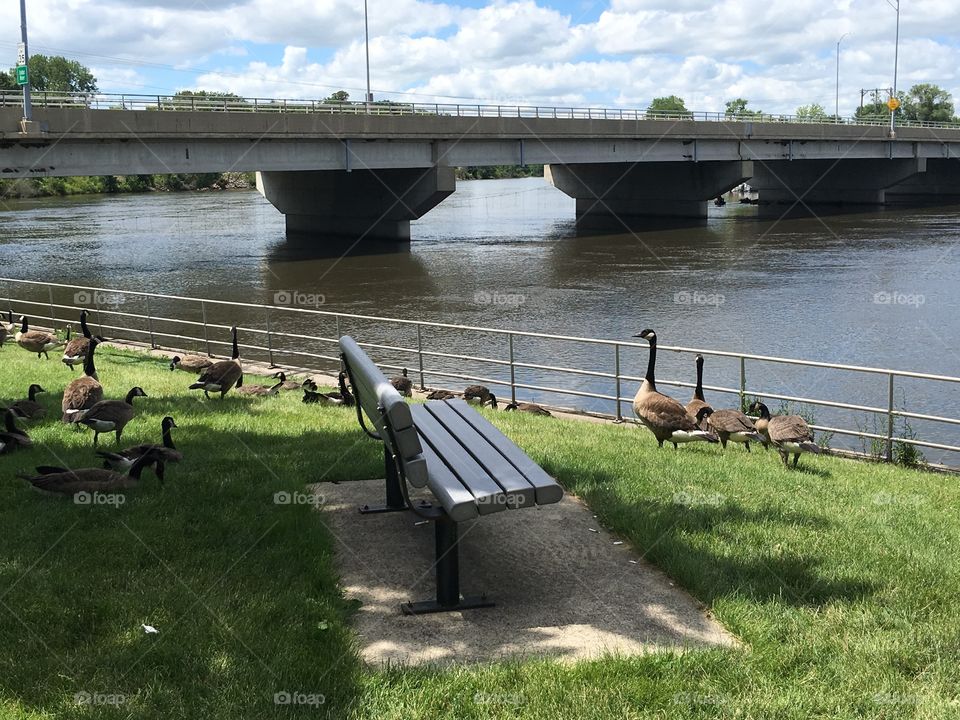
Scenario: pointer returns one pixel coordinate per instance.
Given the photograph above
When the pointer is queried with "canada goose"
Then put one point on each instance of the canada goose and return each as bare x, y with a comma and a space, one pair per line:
733, 425
403, 384
123, 460
84, 392
529, 408
442, 395
30, 408
480, 394
13, 438
89, 480
111, 415
698, 402
260, 390
76, 349
6, 328
788, 433
190, 363
222, 375
341, 397
291, 384
666, 418
37, 341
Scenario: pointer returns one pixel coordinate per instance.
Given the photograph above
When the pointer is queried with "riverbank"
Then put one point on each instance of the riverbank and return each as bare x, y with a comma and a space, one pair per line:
840, 579
118, 184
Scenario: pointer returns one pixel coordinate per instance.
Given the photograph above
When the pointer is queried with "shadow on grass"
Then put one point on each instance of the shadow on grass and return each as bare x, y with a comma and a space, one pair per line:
692, 537
241, 585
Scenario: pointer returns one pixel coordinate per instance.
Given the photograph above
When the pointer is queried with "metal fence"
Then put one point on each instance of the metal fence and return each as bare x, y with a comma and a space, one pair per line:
106, 101
285, 334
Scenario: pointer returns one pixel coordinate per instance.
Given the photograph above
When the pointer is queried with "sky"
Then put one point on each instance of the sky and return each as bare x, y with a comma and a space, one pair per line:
779, 54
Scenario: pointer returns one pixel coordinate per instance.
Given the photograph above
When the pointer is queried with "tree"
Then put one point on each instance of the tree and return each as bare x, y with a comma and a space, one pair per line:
814, 112
340, 96
57, 74
672, 105
926, 101
738, 109
8, 83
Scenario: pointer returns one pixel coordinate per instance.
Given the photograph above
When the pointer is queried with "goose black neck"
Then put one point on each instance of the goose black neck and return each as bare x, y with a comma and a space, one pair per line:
9, 422
168, 438
652, 361
138, 466
32, 393
236, 349
88, 367
23, 325
83, 326
131, 394
698, 393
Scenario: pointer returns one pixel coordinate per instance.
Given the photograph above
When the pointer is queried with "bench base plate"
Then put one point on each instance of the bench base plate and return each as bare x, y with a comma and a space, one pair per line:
372, 509
425, 607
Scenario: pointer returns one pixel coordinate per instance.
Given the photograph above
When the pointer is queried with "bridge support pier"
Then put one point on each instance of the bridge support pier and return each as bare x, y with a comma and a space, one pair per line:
362, 204
630, 192
939, 185
829, 183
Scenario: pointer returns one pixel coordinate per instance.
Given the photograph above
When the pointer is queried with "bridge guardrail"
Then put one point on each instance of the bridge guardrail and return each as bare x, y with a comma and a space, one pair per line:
168, 321
108, 101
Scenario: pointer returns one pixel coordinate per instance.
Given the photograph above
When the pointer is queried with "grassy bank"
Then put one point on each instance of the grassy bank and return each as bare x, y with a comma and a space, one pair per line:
841, 578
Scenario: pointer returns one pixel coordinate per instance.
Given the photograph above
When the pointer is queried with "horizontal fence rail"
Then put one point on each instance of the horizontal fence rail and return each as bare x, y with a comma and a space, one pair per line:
107, 101
273, 334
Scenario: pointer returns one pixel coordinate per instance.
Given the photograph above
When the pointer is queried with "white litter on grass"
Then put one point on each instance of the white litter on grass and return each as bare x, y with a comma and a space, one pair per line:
593, 530
149, 629
618, 542
633, 562
421, 522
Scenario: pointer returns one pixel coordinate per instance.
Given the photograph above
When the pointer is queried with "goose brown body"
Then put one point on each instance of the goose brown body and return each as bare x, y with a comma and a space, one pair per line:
30, 408
123, 460
223, 375
531, 408
698, 402
790, 434
111, 415
76, 348
84, 392
12, 438
190, 363
64, 481
37, 341
733, 425
665, 417
403, 384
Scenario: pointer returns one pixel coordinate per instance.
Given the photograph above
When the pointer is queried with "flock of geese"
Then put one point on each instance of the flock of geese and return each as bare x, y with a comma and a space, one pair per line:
83, 405
697, 421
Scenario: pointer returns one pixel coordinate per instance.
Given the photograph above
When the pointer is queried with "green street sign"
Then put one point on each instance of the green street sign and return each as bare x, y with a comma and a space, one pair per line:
22, 76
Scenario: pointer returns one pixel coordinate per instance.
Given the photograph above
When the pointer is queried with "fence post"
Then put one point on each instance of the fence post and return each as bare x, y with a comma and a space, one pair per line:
420, 356
269, 339
53, 316
616, 370
513, 373
743, 382
206, 337
153, 342
890, 418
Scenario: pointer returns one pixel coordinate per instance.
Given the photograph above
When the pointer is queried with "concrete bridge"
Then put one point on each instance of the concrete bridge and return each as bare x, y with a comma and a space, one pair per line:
369, 175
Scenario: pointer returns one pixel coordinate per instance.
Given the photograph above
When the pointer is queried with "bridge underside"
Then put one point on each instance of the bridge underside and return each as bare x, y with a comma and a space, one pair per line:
363, 204
626, 194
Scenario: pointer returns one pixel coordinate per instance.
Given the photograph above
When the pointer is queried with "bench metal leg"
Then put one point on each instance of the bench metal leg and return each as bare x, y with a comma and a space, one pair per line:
447, 537
395, 500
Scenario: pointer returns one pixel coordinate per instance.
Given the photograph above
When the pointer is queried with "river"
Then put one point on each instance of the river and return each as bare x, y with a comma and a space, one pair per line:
877, 289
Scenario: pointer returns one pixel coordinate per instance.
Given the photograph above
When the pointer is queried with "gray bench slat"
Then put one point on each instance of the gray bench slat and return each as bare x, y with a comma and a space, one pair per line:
457, 501
488, 495
518, 489
547, 489
376, 391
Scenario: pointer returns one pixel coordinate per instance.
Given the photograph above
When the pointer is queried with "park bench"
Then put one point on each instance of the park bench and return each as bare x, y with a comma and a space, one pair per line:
470, 467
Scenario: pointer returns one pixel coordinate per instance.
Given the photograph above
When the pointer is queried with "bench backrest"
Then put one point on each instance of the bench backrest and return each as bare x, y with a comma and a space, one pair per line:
387, 411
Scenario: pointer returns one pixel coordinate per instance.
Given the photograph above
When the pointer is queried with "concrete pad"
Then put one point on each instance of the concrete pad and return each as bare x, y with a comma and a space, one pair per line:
562, 588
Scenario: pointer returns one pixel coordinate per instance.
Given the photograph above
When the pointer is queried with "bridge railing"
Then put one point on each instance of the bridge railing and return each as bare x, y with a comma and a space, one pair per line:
206, 103
579, 373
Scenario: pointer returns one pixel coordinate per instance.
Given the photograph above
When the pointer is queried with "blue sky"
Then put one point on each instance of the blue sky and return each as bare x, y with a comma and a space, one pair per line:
618, 53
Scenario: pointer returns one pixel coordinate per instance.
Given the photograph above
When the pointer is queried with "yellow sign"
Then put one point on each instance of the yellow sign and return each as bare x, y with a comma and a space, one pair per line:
893, 104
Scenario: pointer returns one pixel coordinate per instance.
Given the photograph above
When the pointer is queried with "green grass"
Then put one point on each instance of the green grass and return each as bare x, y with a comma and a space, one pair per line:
842, 579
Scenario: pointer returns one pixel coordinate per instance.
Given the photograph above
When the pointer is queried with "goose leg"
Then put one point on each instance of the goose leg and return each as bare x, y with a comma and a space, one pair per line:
796, 457
158, 469
747, 446
206, 394
783, 456
723, 441
95, 436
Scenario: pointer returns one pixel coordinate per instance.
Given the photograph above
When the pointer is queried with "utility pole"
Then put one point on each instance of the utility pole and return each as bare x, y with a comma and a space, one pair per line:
23, 60
836, 110
366, 35
894, 102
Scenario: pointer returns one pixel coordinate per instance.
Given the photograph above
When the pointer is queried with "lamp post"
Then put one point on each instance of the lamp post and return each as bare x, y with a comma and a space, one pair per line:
27, 107
895, 4
366, 35
836, 109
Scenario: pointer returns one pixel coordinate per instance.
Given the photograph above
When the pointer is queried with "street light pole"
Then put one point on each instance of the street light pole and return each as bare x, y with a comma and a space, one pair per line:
895, 4
836, 110
366, 35
27, 107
